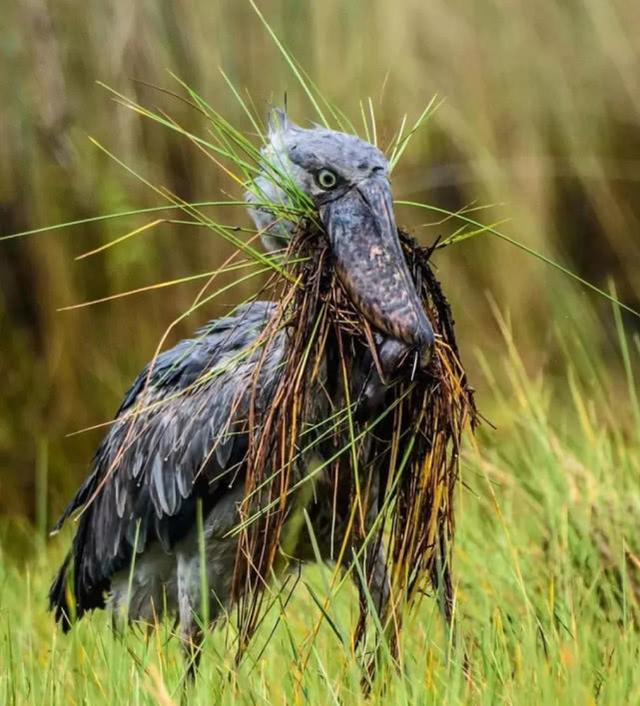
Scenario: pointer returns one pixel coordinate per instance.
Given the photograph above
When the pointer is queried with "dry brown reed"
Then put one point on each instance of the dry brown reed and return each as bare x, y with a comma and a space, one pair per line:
413, 443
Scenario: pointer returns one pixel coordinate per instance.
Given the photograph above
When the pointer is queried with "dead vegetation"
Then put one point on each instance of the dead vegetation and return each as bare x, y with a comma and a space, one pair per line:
413, 443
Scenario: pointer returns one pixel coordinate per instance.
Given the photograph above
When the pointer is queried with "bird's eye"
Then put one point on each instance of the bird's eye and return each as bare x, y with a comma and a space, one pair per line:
326, 179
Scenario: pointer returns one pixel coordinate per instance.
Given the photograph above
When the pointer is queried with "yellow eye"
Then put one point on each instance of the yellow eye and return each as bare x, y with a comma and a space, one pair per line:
326, 179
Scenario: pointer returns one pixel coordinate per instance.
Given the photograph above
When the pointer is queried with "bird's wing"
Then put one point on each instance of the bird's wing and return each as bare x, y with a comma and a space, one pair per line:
177, 439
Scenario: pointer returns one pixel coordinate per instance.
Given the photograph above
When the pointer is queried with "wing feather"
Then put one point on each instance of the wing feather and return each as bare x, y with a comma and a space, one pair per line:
169, 446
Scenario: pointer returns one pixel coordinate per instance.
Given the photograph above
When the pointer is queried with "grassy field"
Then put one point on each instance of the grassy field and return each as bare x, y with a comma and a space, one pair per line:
547, 570
539, 120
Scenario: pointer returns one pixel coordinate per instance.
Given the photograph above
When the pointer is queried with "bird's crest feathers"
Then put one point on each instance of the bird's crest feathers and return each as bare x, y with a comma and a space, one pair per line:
278, 122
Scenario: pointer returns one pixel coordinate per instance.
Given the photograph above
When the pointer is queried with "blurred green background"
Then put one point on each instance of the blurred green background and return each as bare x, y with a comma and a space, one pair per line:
541, 118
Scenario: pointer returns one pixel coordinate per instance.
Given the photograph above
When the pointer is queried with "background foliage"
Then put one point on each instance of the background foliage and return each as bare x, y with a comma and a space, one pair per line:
540, 119
541, 112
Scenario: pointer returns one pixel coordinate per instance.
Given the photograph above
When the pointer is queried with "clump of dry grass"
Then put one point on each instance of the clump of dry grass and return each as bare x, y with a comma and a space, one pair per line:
413, 443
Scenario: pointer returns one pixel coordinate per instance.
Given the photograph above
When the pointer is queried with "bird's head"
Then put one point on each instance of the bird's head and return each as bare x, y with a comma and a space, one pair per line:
347, 179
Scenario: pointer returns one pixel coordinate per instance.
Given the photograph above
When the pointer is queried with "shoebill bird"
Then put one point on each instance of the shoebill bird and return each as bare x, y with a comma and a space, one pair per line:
150, 479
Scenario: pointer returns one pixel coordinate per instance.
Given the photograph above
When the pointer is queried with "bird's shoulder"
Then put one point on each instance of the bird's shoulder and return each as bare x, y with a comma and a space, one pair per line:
176, 437
181, 366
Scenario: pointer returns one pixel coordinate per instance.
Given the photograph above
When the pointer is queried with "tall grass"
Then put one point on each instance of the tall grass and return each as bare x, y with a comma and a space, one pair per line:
547, 557
547, 595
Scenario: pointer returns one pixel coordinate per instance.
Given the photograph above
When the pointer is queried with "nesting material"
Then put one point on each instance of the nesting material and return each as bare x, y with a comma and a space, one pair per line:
411, 442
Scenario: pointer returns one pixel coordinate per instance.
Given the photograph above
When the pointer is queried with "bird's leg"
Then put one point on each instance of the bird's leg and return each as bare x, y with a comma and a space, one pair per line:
192, 650
191, 634
192, 637
442, 582
371, 578
203, 600
192, 646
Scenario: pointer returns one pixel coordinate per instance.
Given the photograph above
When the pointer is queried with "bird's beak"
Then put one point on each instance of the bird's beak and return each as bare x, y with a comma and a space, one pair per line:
369, 261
